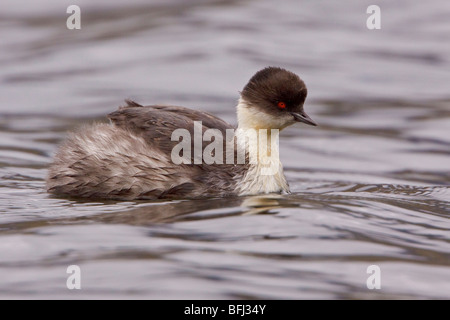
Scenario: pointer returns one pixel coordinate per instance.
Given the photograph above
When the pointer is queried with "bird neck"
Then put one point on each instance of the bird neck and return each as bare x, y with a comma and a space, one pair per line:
255, 135
250, 117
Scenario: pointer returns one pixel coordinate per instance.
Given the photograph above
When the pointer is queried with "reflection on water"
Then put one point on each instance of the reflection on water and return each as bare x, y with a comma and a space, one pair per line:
369, 186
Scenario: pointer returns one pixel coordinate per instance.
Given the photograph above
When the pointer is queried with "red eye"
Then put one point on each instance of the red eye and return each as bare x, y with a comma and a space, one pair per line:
281, 105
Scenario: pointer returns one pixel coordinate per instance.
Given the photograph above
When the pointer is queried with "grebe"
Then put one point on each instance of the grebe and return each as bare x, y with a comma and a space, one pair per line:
130, 158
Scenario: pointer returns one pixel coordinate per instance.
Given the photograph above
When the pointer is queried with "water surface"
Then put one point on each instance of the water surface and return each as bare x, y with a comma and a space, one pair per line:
370, 185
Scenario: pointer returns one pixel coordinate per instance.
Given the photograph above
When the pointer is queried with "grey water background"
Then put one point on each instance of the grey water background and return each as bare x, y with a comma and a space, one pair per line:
370, 185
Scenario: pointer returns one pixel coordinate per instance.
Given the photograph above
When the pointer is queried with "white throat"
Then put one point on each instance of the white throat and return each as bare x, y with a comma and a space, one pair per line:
258, 132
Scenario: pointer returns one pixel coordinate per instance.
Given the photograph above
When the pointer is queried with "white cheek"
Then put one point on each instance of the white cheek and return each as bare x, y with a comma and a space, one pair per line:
270, 122
251, 117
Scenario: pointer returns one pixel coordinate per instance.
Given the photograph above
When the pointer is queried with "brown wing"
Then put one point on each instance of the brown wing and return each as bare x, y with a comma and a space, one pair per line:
101, 161
156, 123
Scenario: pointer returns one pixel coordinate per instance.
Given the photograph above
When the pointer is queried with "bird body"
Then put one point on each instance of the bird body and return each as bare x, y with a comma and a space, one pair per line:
132, 156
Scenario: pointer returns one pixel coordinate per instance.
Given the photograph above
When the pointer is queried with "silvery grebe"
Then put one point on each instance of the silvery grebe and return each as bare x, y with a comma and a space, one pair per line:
130, 158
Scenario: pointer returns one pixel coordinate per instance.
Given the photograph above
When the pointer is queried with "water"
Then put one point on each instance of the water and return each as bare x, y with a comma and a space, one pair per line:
370, 184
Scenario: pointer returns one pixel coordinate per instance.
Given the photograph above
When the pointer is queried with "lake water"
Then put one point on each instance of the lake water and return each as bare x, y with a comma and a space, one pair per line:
370, 185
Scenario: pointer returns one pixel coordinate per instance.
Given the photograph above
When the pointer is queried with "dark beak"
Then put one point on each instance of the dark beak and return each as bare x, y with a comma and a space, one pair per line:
303, 117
